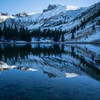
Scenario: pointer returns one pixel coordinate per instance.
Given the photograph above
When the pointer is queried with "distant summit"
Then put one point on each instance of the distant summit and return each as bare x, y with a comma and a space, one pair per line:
55, 6
3, 14
52, 7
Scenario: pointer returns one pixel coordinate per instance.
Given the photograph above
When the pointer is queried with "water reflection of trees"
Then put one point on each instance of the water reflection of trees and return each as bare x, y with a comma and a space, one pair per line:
15, 52
82, 59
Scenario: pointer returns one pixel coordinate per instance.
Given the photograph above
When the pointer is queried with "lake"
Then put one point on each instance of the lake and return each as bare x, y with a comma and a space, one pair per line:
49, 72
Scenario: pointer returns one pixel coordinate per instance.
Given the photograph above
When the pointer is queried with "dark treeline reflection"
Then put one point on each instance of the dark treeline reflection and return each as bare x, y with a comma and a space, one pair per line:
22, 51
69, 58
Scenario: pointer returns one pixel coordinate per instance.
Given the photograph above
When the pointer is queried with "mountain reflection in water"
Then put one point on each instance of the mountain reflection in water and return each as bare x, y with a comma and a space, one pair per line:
54, 60
49, 72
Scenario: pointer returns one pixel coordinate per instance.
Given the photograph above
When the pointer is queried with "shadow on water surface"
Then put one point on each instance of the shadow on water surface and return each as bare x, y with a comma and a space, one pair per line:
58, 62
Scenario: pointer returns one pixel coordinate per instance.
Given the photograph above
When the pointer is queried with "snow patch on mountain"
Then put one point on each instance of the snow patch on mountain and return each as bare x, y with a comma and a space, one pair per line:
3, 18
70, 7
31, 13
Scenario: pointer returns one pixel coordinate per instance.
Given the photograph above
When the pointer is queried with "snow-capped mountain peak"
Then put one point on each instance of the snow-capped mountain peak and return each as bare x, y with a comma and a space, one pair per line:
51, 11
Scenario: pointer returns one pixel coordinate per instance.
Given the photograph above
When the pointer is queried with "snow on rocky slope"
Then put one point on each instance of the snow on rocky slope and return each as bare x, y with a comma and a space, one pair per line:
4, 17
86, 26
73, 20
54, 15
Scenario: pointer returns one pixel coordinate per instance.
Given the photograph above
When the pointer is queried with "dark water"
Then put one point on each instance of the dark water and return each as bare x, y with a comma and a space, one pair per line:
49, 72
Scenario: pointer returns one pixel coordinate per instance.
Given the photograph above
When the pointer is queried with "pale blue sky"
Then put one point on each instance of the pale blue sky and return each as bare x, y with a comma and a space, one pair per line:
15, 6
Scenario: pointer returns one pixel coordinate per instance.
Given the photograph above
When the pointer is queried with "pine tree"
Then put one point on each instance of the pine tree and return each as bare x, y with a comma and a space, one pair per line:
0, 33
4, 34
72, 36
93, 27
62, 37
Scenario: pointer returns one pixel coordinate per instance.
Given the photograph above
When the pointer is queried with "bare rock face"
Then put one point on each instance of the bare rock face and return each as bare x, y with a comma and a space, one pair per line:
0, 13
3, 14
50, 7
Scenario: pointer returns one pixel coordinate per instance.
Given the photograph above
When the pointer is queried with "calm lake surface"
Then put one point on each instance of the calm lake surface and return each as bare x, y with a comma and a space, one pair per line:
49, 72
